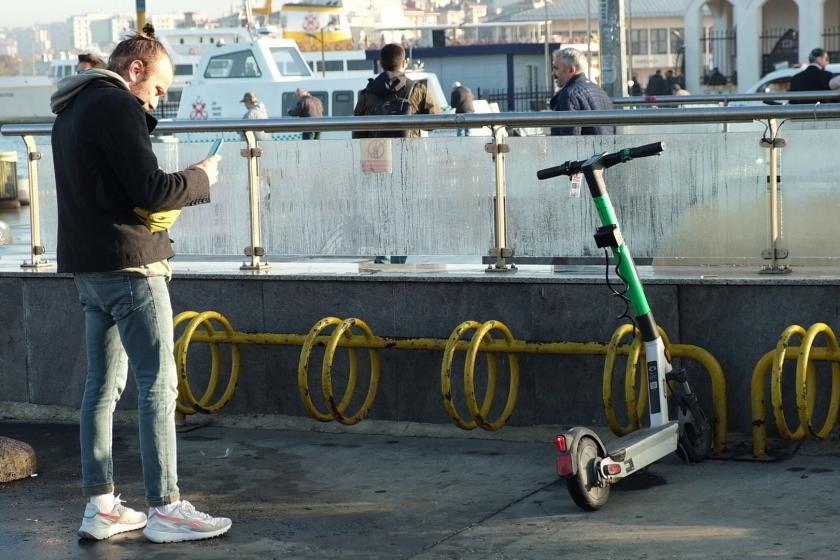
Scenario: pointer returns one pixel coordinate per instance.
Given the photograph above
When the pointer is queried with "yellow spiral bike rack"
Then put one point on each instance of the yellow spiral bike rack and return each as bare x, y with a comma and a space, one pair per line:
805, 385
491, 338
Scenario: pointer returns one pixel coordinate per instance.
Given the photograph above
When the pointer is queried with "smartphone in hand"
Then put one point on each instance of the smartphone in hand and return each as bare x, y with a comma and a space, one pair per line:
214, 149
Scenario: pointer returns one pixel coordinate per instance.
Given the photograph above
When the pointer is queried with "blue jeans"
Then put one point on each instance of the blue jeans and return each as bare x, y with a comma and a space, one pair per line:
128, 320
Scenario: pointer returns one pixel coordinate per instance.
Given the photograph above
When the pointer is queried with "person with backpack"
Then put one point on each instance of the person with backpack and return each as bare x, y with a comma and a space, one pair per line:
392, 93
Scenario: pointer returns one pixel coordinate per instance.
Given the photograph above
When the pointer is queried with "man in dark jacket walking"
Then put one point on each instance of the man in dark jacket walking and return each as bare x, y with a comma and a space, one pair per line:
656, 85
392, 93
815, 77
577, 93
109, 189
461, 99
307, 106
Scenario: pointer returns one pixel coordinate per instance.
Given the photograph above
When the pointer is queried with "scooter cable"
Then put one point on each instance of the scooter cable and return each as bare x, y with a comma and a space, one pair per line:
615, 292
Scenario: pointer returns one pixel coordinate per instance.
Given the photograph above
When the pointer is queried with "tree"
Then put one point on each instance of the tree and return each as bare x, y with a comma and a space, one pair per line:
9, 65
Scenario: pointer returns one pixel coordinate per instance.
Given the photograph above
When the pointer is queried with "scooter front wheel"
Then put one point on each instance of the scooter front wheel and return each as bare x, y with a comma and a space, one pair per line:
696, 431
584, 486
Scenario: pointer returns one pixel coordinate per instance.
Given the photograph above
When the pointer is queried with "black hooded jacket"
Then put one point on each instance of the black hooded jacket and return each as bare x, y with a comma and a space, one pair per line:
387, 84
104, 168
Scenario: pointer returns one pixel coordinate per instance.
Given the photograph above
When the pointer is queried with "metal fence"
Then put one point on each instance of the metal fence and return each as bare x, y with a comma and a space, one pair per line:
831, 42
779, 47
719, 46
166, 110
517, 100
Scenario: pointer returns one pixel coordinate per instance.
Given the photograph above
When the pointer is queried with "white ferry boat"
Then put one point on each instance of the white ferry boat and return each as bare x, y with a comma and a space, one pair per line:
331, 64
25, 97
273, 69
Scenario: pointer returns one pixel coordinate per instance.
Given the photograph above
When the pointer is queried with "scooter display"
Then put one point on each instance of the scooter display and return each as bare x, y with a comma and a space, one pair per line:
677, 422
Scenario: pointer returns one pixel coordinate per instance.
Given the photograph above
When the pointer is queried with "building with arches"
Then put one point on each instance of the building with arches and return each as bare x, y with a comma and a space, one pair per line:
745, 39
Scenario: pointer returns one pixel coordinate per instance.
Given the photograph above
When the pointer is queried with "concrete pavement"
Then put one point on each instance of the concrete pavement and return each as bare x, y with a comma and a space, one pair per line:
295, 494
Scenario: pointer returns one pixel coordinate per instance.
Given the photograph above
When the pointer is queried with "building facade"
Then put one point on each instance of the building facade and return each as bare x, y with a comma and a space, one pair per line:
748, 38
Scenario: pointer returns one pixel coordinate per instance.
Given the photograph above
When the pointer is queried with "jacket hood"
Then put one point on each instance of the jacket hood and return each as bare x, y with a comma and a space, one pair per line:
387, 82
72, 85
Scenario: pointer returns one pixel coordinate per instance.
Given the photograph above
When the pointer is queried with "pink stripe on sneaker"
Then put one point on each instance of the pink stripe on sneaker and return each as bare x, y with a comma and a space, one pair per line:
178, 520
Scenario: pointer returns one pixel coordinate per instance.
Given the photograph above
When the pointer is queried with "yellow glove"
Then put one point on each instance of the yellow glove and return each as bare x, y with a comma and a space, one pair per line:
157, 221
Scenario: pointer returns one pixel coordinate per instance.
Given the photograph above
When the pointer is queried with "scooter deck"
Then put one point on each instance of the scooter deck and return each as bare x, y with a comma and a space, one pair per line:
645, 446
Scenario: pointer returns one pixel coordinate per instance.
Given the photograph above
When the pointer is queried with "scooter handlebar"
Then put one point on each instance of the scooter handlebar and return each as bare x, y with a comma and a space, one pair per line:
572, 167
568, 168
633, 153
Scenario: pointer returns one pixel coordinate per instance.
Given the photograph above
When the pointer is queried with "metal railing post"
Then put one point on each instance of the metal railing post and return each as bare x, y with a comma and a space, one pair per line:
501, 251
775, 252
35, 246
255, 250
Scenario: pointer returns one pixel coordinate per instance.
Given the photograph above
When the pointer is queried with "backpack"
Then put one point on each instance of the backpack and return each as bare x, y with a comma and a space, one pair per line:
395, 103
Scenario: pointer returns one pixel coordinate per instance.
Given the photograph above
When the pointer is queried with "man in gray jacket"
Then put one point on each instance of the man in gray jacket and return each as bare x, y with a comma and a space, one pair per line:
577, 93
108, 182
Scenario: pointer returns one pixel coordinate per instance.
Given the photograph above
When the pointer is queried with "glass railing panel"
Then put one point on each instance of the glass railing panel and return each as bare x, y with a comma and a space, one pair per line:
436, 200
46, 194
704, 197
810, 196
221, 227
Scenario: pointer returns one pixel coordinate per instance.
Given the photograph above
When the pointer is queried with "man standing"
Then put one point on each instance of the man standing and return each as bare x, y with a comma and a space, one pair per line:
105, 169
307, 106
255, 109
815, 77
392, 93
577, 93
461, 99
656, 84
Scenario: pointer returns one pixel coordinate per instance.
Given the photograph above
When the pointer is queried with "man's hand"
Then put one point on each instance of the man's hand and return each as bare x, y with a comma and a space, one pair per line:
211, 167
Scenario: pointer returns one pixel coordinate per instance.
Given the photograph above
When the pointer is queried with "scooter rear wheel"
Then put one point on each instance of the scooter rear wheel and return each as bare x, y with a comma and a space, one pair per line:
583, 487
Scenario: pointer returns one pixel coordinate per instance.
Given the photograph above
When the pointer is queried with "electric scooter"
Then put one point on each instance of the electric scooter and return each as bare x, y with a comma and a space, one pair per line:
676, 424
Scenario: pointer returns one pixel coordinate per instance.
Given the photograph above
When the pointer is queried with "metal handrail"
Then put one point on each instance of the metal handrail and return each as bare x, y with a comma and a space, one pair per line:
726, 98
477, 120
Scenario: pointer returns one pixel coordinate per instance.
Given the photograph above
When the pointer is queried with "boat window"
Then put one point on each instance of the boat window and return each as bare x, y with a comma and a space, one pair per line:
183, 69
289, 101
241, 64
342, 103
360, 65
332, 66
325, 100
289, 62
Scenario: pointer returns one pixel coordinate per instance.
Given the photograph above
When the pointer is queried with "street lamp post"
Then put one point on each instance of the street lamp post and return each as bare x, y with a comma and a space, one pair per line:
547, 59
323, 55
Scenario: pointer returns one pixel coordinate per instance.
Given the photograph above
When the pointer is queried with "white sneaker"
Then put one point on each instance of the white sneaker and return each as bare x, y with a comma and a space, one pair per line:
99, 525
184, 523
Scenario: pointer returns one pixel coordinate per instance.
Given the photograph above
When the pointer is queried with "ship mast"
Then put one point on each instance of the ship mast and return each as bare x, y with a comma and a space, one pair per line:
140, 6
